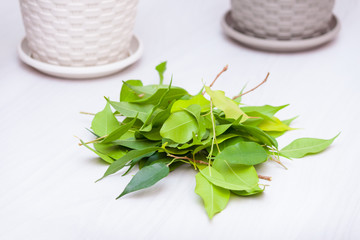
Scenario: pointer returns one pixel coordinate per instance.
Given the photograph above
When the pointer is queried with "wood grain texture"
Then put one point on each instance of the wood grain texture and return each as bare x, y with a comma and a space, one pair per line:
47, 188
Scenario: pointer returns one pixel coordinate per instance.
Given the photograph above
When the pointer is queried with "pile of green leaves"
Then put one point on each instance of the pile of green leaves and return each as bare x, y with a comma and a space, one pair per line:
160, 127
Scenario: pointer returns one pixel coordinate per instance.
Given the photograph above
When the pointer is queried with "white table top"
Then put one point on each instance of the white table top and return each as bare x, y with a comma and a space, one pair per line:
47, 188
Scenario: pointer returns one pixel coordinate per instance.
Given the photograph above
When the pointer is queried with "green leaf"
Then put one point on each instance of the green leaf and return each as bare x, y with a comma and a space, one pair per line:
215, 198
245, 153
119, 132
227, 143
161, 68
266, 110
274, 125
110, 150
256, 134
131, 155
230, 108
134, 143
200, 100
220, 139
250, 192
179, 127
277, 134
304, 146
171, 94
127, 94
241, 175
104, 157
146, 177
153, 135
104, 122
132, 110
221, 180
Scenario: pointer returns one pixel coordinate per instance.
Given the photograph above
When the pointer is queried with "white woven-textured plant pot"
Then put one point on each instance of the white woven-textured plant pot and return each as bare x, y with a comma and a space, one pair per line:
282, 19
79, 33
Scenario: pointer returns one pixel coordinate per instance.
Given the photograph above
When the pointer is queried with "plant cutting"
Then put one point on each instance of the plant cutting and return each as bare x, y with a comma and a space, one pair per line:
161, 127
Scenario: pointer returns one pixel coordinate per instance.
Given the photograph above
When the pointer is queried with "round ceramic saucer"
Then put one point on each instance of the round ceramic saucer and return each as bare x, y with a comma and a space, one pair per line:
135, 52
232, 31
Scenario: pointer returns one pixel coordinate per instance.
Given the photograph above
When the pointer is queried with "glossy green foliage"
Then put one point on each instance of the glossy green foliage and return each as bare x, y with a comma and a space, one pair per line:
243, 153
146, 177
303, 146
104, 122
215, 198
160, 127
244, 176
179, 127
228, 106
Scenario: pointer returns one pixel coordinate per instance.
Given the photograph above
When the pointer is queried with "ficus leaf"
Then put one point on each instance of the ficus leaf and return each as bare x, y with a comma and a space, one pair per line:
120, 131
161, 68
241, 175
266, 110
200, 100
221, 180
228, 106
104, 122
103, 156
273, 125
137, 144
179, 127
255, 190
243, 153
146, 177
304, 146
132, 110
131, 155
127, 94
256, 134
215, 198
110, 150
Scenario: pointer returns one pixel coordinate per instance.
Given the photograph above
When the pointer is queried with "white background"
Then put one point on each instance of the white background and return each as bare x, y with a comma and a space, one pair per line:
47, 188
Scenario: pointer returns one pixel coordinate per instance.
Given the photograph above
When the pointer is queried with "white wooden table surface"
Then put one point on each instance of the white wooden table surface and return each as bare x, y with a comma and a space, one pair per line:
47, 188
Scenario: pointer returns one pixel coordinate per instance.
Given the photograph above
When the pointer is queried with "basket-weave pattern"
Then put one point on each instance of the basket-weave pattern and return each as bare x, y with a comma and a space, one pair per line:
282, 19
79, 33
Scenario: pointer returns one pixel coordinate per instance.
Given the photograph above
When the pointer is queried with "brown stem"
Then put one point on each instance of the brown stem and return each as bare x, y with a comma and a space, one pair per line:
278, 161
264, 177
187, 158
217, 76
242, 94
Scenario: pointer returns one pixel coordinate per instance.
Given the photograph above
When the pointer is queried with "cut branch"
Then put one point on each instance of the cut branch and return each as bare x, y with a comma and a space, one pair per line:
187, 158
95, 140
217, 76
87, 113
242, 94
278, 161
267, 178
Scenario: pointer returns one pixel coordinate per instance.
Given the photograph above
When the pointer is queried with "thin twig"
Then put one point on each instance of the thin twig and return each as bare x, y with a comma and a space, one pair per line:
278, 161
242, 94
95, 140
217, 76
267, 178
87, 113
187, 158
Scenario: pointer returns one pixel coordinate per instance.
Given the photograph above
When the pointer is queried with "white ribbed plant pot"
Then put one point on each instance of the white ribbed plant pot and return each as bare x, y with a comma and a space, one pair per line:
79, 33
282, 19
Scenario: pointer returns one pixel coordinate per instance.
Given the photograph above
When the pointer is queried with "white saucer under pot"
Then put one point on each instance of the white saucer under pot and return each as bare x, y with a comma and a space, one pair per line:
269, 43
133, 54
